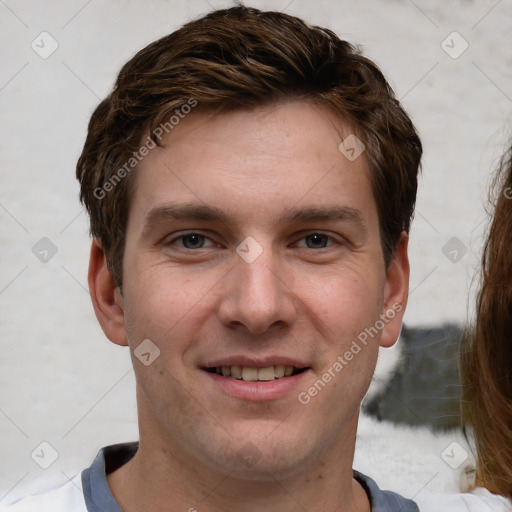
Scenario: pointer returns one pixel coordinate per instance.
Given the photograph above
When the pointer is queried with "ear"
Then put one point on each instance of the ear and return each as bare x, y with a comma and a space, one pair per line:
106, 298
396, 292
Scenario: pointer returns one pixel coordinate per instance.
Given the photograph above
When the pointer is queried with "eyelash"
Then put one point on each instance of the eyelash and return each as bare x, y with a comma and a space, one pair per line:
185, 235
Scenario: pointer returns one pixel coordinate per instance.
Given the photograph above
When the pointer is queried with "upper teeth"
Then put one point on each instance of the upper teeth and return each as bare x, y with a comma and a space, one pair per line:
253, 374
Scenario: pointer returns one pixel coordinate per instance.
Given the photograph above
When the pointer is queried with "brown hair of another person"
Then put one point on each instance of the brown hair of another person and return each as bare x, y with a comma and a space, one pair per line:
486, 355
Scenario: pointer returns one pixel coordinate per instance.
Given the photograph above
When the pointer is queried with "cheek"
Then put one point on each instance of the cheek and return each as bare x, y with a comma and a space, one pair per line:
159, 300
166, 307
346, 302
345, 308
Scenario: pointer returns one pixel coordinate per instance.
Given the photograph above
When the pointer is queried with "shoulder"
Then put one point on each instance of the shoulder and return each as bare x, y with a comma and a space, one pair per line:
65, 498
87, 491
384, 501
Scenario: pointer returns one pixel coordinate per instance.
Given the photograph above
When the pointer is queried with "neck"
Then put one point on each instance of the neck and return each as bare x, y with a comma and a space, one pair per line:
162, 477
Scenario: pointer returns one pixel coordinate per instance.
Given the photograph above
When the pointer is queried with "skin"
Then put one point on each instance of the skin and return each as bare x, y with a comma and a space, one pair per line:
197, 300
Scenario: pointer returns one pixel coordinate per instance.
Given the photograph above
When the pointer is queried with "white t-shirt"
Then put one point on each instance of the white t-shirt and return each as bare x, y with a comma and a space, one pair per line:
478, 500
65, 498
89, 492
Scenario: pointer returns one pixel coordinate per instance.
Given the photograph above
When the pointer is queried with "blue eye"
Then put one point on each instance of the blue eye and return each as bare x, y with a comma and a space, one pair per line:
194, 240
318, 240
190, 241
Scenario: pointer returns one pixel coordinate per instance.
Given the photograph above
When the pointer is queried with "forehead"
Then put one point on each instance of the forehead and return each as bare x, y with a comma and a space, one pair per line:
260, 162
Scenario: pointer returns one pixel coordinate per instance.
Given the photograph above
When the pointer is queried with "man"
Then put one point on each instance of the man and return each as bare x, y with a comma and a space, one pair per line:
250, 183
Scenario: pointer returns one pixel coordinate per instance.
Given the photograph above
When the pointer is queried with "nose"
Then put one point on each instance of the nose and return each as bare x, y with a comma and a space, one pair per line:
257, 296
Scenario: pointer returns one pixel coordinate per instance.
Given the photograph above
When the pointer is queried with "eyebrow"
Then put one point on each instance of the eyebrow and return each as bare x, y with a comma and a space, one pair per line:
190, 211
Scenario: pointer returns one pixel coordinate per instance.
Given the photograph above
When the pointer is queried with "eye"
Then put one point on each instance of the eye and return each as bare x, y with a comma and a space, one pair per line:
316, 240
191, 241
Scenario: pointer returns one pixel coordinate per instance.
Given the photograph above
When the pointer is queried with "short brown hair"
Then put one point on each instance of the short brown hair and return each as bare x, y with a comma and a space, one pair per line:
239, 58
486, 353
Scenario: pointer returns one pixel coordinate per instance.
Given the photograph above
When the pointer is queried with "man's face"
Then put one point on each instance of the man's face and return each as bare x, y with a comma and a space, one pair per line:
271, 259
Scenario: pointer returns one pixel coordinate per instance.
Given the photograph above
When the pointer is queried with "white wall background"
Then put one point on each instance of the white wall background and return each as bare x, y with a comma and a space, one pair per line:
61, 381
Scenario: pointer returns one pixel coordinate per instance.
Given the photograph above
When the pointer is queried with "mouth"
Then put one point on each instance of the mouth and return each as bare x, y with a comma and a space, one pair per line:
256, 374
265, 379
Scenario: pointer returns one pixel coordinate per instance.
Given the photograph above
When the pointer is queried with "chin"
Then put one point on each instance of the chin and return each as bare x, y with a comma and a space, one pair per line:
264, 457
269, 467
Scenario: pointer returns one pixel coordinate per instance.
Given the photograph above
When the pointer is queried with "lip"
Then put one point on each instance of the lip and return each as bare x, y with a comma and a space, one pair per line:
257, 391
256, 362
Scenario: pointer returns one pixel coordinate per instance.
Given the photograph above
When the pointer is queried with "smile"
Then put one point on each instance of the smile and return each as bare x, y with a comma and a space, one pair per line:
253, 374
